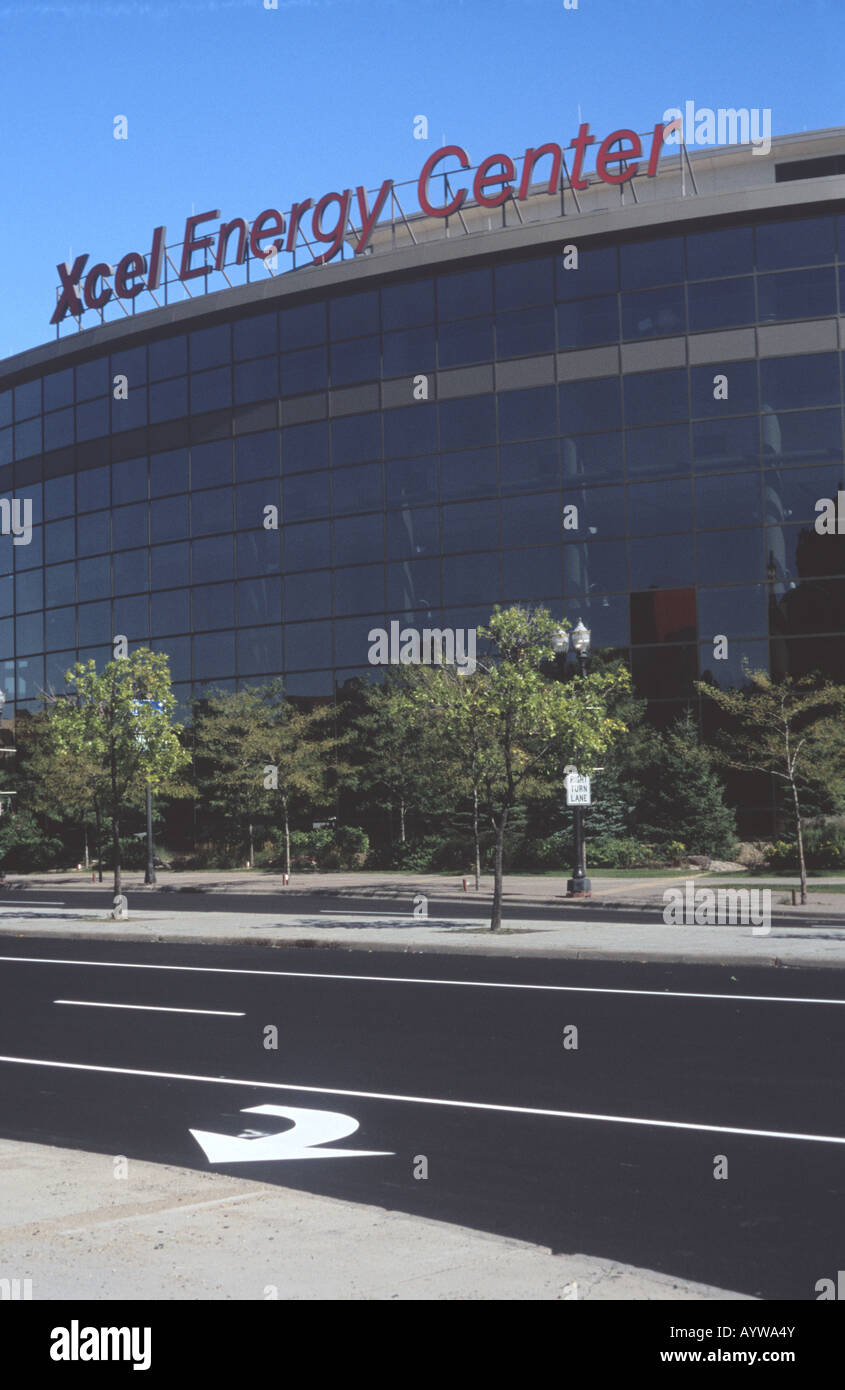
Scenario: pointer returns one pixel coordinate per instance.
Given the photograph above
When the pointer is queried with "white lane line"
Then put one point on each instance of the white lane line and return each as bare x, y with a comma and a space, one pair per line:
427, 1100
420, 980
150, 1008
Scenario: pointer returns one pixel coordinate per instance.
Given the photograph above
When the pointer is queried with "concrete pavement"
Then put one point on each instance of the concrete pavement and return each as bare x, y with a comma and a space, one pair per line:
579, 939
164, 1232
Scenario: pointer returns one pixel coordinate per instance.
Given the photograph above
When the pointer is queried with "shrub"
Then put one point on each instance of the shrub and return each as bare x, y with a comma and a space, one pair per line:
624, 852
824, 848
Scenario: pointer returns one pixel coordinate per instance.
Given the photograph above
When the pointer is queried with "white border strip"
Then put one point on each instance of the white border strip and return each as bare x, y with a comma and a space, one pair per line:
429, 1100
420, 980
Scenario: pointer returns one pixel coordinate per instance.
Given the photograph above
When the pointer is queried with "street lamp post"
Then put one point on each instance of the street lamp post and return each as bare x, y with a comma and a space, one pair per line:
578, 886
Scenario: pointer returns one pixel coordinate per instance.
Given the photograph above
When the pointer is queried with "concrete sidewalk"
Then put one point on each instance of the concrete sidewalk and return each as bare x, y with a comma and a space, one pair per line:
165, 1233
572, 939
546, 889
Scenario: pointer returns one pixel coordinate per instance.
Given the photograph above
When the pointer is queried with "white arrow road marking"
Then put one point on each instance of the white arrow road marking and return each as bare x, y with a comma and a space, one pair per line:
310, 1129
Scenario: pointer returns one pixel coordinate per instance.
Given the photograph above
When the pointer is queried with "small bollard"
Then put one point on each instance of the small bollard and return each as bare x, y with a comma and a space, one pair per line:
795, 897
465, 885
284, 880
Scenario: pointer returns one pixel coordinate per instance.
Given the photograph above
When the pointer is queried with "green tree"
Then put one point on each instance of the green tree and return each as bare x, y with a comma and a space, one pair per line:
228, 771
790, 728
259, 754
120, 723
683, 799
528, 724
399, 756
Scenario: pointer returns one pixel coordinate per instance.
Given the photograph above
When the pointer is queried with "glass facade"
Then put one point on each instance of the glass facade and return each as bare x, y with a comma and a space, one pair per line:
639, 442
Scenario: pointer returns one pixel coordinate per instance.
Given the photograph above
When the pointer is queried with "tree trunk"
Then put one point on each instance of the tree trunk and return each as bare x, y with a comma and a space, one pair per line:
251, 853
475, 837
85, 856
99, 845
500, 826
402, 819
801, 864
115, 843
287, 836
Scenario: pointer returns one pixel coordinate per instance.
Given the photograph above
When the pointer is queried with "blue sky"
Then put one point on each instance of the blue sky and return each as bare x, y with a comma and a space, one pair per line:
235, 107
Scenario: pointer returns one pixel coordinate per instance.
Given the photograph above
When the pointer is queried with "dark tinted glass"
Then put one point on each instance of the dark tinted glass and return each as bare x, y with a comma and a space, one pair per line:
307, 547
669, 565
403, 305
168, 357
308, 596
256, 336
260, 600
531, 521
530, 466
257, 456
357, 539
797, 294
660, 507
169, 472
471, 473
358, 359
726, 252
728, 501
356, 438
653, 313
466, 423
129, 480
595, 404
169, 519
727, 388
465, 341
305, 447
527, 414
792, 382
655, 397
171, 612
408, 352
596, 273
644, 263
304, 371
92, 379
210, 347
256, 381
170, 566
525, 332
58, 389
721, 304
411, 481
305, 495
730, 557
803, 241
359, 590
464, 294
524, 282
354, 315
212, 559
302, 326
412, 532
211, 464
726, 443
471, 526
411, 429
357, 489
168, 399
583, 323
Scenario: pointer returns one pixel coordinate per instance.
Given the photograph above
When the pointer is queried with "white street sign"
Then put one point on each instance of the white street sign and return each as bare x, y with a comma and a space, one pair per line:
310, 1129
577, 790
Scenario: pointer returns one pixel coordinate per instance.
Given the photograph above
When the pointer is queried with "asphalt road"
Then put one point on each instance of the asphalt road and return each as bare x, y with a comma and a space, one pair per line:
335, 905
455, 1066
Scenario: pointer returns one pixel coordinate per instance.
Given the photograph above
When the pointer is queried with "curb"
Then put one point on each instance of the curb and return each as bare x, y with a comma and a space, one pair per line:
595, 953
